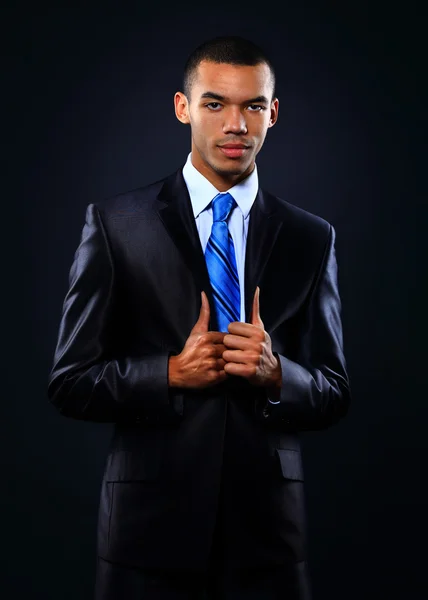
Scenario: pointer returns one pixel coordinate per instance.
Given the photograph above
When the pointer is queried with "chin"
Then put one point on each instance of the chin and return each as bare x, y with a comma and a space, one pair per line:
230, 172
231, 167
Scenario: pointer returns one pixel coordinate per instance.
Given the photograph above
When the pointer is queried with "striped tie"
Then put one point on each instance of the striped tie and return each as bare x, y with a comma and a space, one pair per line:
221, 264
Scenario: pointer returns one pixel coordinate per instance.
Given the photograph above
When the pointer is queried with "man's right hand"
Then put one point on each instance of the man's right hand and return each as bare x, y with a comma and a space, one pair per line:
200, 363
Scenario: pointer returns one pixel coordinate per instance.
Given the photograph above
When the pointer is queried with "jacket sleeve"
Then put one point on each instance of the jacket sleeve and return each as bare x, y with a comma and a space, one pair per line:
315, 390
87, 380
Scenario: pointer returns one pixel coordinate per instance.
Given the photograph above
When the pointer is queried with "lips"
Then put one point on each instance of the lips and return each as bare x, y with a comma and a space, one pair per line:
233, 150
233, 146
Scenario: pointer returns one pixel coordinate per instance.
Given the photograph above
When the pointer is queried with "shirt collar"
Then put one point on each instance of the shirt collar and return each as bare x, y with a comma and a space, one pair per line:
201, 191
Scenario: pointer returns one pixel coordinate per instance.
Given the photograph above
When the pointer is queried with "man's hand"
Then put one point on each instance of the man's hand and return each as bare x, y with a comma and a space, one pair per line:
249, 351
200, 363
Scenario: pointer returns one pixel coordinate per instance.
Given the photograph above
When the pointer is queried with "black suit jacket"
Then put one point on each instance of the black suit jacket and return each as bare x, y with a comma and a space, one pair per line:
134, 296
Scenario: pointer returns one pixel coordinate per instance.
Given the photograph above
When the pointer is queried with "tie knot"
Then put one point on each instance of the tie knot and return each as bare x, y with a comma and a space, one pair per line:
222, 205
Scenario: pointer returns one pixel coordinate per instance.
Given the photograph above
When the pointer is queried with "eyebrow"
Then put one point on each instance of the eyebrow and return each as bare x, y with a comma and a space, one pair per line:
223, 98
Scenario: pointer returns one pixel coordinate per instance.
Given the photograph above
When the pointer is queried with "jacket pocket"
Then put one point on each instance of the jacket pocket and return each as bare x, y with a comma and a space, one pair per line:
131, 465
291, 463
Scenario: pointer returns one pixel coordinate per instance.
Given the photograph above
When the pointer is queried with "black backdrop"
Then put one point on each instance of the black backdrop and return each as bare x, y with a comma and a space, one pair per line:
89, 113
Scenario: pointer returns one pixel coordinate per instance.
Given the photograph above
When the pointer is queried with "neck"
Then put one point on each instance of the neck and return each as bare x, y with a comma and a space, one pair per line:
221, 181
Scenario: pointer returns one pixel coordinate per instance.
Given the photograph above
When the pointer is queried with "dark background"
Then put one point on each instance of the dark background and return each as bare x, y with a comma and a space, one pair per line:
89, 113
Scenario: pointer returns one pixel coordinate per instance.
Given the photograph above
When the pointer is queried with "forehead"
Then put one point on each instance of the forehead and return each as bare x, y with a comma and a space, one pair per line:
228, 80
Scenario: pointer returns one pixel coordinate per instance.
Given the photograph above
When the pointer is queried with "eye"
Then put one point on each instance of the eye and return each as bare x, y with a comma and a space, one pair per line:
257, 107
213, 105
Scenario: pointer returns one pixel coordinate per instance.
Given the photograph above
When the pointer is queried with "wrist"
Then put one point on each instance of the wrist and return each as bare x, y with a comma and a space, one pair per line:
174, 378
276, 381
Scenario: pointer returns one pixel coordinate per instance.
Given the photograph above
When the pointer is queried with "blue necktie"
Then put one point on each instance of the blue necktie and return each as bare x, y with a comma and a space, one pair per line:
221, 264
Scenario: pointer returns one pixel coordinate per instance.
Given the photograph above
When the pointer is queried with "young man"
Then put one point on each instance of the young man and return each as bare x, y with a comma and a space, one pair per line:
203, 319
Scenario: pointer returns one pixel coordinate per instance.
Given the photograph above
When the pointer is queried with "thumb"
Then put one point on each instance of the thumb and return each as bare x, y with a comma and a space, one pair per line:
255, 314
202, 323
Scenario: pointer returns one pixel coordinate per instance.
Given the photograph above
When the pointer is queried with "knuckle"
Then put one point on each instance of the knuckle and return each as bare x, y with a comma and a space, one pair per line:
200, 340
206, 351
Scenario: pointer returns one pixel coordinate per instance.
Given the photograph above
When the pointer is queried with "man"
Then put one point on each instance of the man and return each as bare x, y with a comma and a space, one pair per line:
203, 319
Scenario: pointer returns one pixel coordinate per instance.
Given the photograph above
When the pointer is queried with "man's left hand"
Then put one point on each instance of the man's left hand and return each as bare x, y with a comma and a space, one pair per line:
249, 351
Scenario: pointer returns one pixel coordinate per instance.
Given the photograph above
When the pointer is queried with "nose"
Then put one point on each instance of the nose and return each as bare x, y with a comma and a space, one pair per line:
234, 121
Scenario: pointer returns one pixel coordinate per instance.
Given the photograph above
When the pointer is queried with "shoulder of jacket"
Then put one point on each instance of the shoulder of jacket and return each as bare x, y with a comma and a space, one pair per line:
298, 214
127, 202
300, 218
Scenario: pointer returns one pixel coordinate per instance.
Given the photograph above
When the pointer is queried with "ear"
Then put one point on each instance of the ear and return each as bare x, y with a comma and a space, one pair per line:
274, 108
181, 107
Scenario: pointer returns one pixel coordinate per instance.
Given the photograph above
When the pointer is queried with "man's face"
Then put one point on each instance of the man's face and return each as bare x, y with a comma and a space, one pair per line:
229, 112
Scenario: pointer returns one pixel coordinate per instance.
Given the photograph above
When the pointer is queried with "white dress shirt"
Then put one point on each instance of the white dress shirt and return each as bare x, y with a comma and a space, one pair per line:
201, 193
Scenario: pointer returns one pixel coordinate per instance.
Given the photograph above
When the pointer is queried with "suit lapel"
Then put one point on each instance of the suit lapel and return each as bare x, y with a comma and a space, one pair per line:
175, 211
263, 230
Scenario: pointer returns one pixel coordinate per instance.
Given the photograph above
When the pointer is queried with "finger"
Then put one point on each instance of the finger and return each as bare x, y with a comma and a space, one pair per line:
241, 370
238, 342
201, 325
236, 356
255, 314
214, 337
219, 349
220, 364
247, 330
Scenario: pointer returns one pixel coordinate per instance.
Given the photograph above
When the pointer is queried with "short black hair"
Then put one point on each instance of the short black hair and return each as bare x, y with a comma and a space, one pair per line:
232, 50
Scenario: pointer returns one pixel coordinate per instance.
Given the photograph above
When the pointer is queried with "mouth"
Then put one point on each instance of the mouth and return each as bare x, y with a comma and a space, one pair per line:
234, 150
